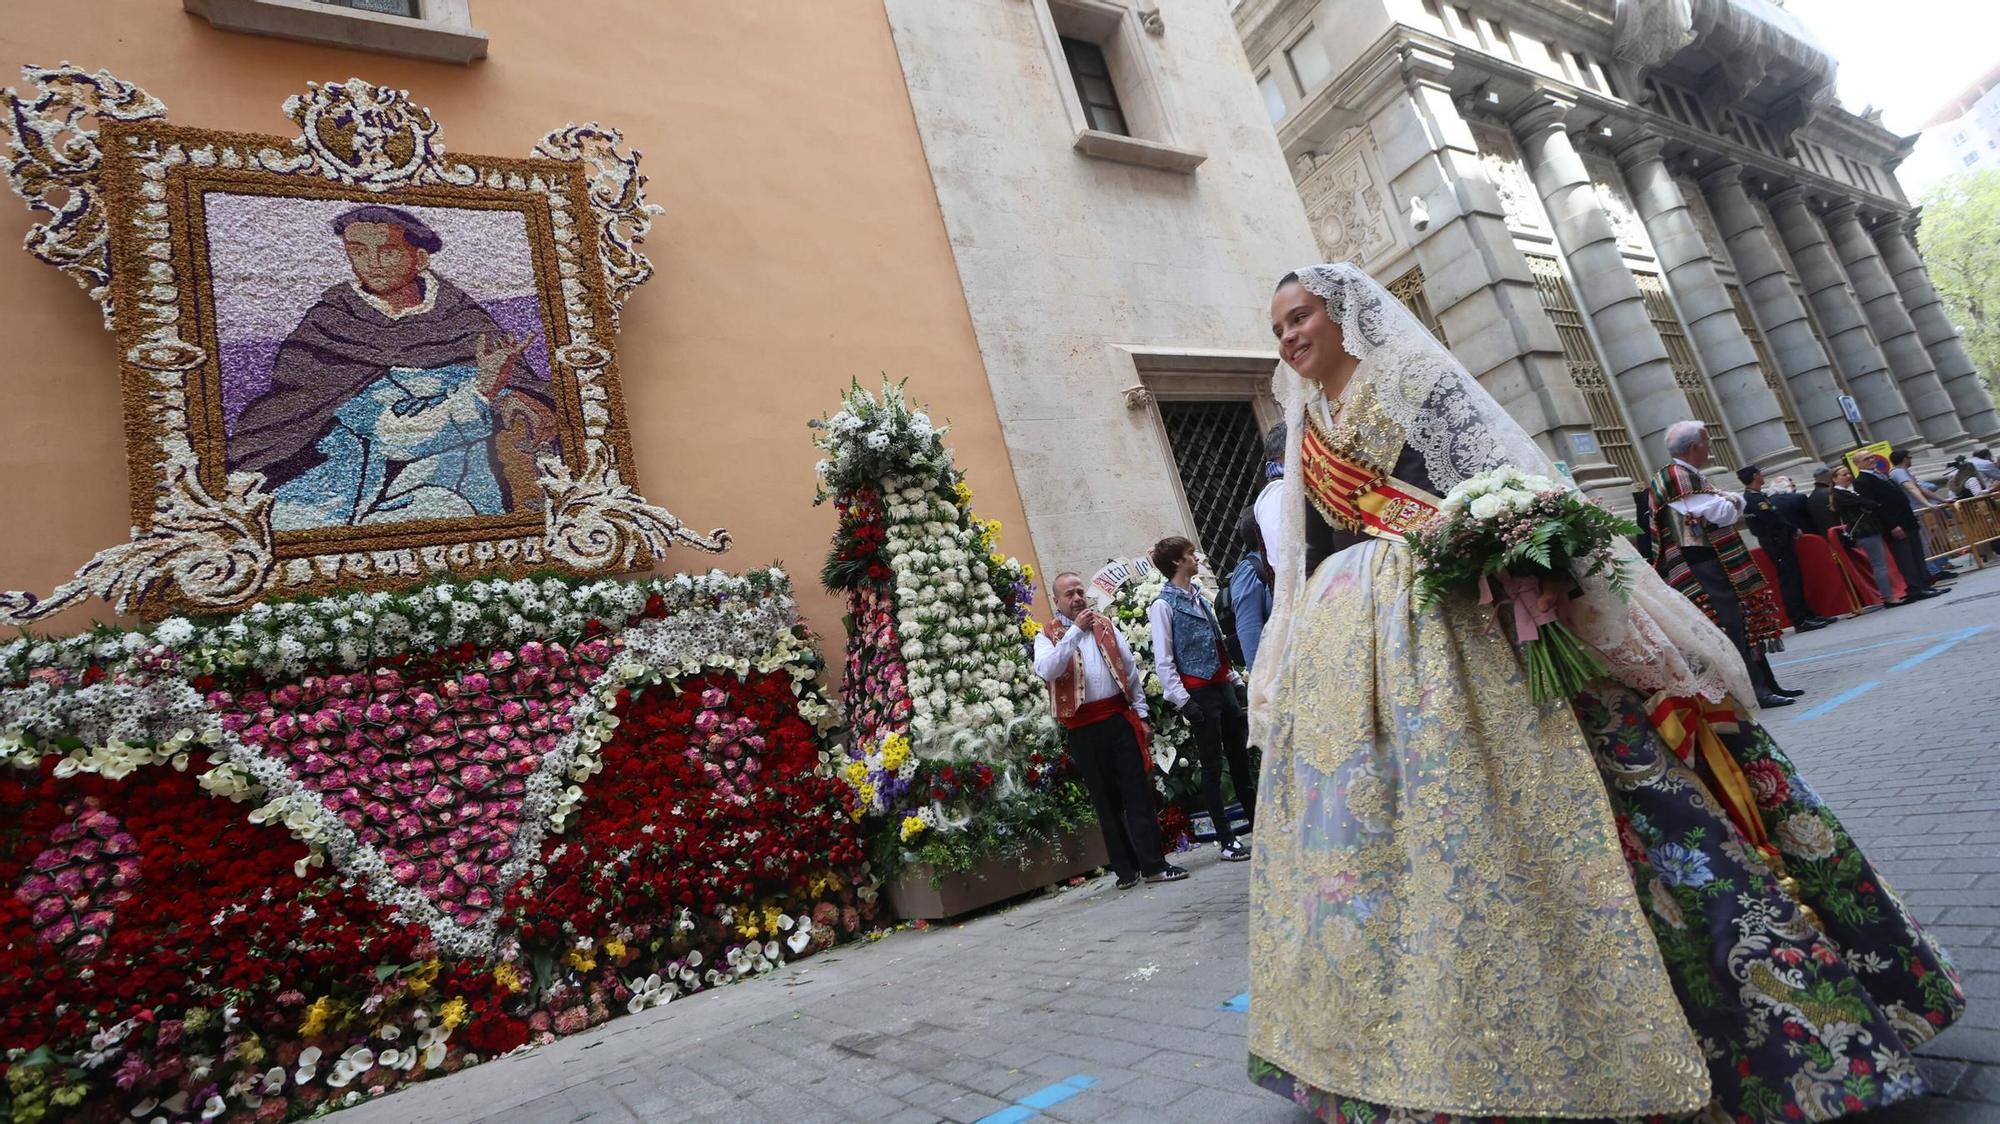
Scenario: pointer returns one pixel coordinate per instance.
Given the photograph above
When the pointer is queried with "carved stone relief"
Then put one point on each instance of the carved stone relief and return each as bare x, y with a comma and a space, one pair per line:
1509, 177
1348, 206
1617, 204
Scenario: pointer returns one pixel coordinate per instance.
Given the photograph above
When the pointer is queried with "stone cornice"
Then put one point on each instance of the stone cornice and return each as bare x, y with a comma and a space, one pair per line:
1645, 149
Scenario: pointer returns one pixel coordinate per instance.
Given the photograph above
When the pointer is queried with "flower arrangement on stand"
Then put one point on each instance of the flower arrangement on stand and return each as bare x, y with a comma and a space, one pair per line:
258, 866
953, 755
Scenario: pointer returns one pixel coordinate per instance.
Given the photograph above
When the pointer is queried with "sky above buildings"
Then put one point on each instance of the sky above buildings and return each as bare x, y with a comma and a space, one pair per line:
1906, 57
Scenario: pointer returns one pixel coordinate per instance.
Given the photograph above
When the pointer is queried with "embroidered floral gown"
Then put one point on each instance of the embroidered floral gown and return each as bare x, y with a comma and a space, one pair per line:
1420, 814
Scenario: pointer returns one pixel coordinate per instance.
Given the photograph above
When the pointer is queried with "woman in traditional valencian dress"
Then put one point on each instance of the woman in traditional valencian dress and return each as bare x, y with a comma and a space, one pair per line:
1467, 906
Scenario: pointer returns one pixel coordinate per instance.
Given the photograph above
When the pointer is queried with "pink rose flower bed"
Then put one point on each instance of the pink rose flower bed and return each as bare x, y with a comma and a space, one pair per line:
432, 773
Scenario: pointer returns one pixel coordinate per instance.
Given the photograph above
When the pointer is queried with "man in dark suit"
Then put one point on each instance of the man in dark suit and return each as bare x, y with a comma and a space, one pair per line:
1819, 505
1899, 518
1775, 534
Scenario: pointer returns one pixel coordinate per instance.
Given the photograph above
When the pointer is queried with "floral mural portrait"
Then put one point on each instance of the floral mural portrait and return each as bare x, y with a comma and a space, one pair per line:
350, 358
380, 365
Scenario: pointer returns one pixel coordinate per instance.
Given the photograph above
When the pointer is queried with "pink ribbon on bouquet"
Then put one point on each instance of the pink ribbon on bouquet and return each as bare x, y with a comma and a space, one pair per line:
1534, 604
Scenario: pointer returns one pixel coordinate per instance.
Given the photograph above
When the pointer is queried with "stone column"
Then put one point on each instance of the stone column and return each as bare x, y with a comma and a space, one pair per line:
1633, 354
1476, 279
1746, 399
1767, 285
1936, 416
1934, 327
1841, 318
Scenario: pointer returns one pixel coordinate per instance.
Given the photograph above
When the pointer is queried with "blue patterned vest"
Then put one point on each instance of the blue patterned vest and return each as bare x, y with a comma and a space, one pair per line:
1197, 639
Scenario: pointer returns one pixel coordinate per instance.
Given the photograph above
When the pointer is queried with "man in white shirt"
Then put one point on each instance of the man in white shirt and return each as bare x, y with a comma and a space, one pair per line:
1099, 698
1198, 681
1697, 549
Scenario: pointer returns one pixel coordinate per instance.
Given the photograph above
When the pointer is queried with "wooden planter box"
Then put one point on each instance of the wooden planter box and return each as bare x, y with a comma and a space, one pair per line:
994, 880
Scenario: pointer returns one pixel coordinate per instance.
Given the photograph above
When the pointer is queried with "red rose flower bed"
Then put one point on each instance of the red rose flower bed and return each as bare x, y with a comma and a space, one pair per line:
172, 946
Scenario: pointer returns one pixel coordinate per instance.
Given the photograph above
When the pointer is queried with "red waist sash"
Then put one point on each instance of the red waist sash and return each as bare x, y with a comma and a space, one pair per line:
1112, 706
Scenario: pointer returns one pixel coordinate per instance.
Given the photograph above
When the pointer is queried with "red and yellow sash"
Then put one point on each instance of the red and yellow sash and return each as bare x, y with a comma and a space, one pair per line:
1355, 496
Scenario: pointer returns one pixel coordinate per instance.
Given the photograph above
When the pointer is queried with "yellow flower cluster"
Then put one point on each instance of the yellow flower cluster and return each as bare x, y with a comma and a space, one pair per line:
857, 773
452, 1013
989, 539
963, 491
895, 751
1027, 571
823, 882
913, 826
420, 980
614, 949
318, 1016
1030, 628
506, 976
580, 959
771, 919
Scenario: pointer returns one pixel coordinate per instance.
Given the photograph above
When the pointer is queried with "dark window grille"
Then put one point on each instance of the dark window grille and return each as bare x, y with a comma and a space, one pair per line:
1219, 454
1409, 288
1607, 420
1092, 76
406, 8
1686, 367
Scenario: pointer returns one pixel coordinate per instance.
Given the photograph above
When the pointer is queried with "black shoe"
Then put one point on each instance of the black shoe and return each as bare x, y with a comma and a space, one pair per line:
1772, 702
1127, 881
1824, 621
1167, 873
1810, 625
1927, 594
1790, 694
1236, 852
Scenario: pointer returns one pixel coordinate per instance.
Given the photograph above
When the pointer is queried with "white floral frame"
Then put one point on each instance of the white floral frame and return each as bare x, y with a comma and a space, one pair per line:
114, 218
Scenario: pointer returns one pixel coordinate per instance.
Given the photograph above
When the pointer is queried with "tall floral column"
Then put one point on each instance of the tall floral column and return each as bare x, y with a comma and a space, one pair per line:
951, 747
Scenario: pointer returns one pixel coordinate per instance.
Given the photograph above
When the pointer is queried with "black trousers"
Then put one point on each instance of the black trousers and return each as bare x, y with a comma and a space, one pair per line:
1107, 755
1224, 731
1728, 611
1908, 552
1791, 580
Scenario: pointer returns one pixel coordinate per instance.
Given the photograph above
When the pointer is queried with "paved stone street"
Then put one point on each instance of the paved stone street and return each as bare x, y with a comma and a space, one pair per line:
1096, 1005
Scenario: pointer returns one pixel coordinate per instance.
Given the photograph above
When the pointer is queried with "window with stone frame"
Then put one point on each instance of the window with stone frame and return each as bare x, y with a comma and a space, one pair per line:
1102, 52
437, 30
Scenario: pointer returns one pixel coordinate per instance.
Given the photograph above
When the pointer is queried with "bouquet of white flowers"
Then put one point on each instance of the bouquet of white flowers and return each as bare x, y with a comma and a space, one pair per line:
1516, 531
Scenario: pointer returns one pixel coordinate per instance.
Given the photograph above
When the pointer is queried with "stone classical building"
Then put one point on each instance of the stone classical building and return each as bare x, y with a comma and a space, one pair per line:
1620, 213
1119, 212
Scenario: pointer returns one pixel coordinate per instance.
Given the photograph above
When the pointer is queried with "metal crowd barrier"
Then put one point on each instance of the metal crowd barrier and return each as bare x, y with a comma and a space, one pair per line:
1961, 526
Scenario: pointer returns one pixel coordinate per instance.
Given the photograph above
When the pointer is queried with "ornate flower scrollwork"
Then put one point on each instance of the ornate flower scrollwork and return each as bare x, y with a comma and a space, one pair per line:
167, 355
213, 552
370, 136
596, 521
53, 160
617, 194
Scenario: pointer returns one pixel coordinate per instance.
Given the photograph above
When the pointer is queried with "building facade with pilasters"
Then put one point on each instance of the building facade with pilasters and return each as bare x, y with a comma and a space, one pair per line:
1620, 215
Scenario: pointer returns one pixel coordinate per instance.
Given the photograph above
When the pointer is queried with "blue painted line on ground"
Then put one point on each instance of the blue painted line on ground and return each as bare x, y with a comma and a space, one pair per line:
1240, 1003
1846, 696
1858, 649
1940, 649
1046, 1097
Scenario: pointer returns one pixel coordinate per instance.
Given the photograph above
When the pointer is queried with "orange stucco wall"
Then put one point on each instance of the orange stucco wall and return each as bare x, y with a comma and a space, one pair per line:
801, 245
